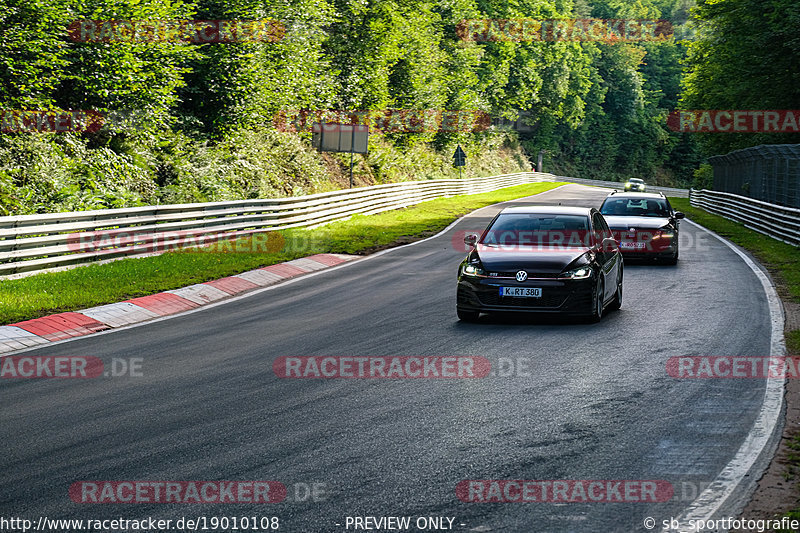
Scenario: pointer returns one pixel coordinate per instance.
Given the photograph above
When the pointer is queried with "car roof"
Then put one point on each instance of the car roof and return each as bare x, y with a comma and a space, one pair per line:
635, 195
547, 210
636, 179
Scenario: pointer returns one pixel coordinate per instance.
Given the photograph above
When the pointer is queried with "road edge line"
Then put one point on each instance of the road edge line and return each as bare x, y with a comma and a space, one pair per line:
762, 436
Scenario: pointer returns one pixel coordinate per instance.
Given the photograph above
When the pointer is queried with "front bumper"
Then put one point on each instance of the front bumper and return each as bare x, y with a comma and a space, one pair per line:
645, 256
646, 244
572, 297
658, 251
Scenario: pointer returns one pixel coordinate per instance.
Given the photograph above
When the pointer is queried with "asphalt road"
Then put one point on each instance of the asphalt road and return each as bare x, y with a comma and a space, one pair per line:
594, 403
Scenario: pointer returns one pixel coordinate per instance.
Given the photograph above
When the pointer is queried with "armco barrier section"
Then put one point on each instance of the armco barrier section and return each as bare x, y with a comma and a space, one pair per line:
31, 243
777, 221
35, 243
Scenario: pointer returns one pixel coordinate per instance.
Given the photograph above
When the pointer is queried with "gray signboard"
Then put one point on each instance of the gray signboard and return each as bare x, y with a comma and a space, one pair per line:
350, 138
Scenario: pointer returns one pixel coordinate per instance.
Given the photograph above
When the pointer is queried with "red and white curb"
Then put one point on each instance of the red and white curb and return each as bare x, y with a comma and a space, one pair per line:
38, 331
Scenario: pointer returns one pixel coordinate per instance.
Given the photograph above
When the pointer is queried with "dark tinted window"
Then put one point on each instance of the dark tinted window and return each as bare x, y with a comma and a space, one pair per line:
603, 227
514, 228
641, 207
600, 227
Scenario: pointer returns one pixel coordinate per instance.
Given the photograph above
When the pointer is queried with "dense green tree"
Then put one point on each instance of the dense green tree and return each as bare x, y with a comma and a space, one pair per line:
33, 50
243, 84
597, 109
746, 56
124, 75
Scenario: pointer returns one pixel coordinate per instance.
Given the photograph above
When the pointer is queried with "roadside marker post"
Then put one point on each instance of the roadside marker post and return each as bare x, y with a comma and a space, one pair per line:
459, 159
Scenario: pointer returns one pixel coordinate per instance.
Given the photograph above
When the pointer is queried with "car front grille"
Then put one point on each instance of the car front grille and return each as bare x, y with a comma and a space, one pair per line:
531, 275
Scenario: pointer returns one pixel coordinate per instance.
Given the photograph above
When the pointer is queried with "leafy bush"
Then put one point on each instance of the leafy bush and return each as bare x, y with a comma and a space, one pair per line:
61, 172
703, 177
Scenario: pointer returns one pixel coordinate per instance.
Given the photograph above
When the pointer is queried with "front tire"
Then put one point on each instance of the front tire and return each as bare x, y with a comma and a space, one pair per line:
597, 302
616, 303
467, 316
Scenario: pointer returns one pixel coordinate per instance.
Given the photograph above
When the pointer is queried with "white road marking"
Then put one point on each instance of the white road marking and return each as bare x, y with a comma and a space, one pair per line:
763, 432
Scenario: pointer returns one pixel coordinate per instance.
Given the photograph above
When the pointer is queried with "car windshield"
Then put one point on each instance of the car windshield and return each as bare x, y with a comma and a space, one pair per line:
538, 229
641, 207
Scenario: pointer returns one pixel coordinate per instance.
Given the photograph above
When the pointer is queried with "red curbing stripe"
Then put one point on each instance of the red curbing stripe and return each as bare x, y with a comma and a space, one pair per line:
326, 259
232, 284
61, 326
164, 303
284, 270
74, 324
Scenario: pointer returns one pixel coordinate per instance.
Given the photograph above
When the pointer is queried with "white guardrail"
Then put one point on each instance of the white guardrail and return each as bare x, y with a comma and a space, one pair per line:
32, 243
53, 241
777, 221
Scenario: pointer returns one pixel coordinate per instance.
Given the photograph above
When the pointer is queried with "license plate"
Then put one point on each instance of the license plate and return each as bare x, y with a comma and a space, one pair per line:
632, 245
521, 292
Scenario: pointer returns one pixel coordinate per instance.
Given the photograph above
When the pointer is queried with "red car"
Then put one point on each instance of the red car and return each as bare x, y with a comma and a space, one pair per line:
644, 224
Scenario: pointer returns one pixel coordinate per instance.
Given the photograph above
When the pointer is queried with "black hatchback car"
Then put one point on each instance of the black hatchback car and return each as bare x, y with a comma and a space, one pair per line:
541, 259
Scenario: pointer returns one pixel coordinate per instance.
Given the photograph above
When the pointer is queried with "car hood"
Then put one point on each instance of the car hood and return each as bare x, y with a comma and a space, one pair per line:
547, 260
625, 222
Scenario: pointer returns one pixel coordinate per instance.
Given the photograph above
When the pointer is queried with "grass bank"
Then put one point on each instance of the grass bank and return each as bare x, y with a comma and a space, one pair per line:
781, 259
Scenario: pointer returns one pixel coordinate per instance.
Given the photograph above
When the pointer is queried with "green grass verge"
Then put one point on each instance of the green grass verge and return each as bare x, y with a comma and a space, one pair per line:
781, 259
793, 341
793, 456
87, 286
790, 472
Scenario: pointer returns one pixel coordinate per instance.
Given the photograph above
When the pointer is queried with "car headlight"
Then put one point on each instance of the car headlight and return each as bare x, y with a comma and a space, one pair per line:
474, 270
667, 231
578, 273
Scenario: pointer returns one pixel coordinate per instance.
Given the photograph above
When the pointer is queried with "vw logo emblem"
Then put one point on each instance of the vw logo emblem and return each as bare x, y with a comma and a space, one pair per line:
522, 275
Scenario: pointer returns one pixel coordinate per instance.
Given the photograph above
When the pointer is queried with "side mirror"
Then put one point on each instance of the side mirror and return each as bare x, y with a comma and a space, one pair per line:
679, 215
610, 245
471, 239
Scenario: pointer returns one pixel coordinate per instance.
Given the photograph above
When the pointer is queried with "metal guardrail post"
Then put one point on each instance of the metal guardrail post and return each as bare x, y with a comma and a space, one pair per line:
776, 221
